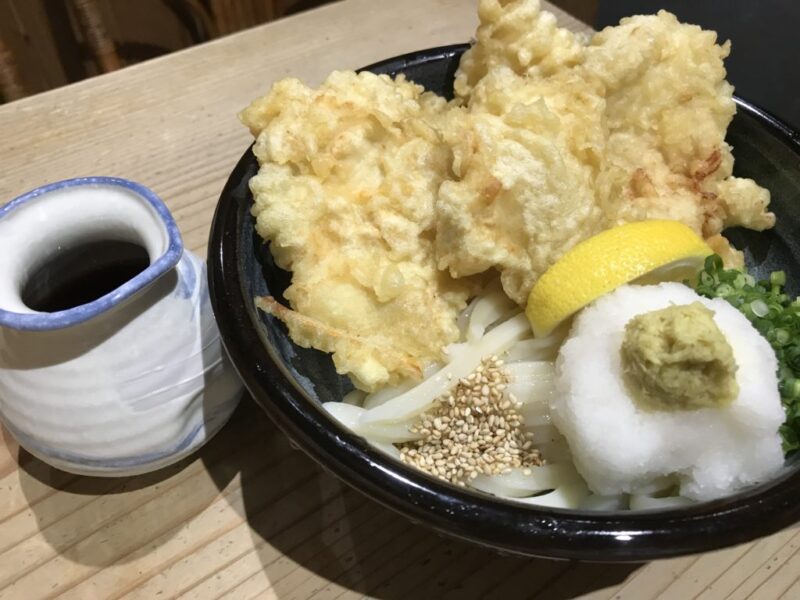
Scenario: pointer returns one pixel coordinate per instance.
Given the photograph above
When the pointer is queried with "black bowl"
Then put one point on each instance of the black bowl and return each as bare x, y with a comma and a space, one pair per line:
290, 382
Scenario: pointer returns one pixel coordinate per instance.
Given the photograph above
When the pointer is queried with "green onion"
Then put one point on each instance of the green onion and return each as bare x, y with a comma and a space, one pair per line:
724, 290
776, 317
759, 308
782, 336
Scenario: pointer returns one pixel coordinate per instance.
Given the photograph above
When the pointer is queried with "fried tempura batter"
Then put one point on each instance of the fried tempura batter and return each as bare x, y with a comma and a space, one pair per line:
644, 107
345, 194
667, 109
381, 198
519, 36
526, 151
521, 199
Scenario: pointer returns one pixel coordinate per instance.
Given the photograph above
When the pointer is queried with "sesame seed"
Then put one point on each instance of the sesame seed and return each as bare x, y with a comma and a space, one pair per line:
472, 430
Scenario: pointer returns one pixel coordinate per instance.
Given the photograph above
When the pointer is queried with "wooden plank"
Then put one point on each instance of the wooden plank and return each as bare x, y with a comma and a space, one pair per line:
758, 577
781, 580
793, 592
649, 581
587, 580
702, 572
757, 554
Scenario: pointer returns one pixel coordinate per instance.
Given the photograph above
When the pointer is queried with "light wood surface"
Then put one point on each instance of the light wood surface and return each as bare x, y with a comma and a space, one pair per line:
249, 516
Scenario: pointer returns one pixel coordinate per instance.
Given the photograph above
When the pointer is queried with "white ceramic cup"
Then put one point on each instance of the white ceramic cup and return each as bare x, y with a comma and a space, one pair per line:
130, 381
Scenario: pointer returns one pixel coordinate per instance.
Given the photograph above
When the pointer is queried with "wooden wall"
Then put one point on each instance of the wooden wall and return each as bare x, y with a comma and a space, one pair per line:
44, 45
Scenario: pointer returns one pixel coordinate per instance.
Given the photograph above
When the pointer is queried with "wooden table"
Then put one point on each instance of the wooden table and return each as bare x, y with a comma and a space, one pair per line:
248, 515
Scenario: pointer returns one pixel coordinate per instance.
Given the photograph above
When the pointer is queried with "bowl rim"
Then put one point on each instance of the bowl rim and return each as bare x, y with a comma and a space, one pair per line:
471, 515
44, 321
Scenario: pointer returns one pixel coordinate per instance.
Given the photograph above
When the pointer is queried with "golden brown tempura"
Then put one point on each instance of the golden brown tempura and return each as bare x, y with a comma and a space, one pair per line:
345, 194
644, 106
527, 149
382, 199
668, 107
519, 201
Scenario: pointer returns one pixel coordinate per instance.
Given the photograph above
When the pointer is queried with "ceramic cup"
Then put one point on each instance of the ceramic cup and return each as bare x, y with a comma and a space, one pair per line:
110, 359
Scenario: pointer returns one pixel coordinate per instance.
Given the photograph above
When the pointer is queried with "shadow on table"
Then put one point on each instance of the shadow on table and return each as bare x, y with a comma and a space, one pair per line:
316, 536
311, 534
102, 521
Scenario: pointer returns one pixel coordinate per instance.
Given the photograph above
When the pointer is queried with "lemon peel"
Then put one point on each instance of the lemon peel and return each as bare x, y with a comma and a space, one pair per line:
644, 251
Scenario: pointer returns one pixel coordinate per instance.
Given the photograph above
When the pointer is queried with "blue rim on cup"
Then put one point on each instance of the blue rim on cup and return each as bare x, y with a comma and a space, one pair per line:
35, 321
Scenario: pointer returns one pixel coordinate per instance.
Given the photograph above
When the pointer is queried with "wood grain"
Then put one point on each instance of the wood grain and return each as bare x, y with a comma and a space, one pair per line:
248, 516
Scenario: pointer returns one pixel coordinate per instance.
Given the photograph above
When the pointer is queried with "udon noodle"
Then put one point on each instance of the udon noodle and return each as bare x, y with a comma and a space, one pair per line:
493, 326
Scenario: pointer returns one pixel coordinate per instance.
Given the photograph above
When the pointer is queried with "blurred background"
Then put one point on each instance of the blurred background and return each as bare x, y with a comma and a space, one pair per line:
49, 43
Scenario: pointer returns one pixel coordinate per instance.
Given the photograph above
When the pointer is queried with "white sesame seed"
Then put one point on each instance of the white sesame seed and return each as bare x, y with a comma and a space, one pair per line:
472, 430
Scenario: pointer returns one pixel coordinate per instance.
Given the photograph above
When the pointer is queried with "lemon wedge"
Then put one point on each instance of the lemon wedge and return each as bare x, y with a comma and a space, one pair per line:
645, 252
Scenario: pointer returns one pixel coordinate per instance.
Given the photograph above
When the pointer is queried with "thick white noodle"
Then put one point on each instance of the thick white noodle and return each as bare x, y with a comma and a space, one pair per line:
384, 395
462, 363
569, 495
544, 348
657, 486
349, 416
555, 452
516, 484
535, 413
386, 447
533, 391
608, 503
547, 435
535, 398
384, 417
532, 370
355, 397
488, 484
532, 383
463, 318
487, 310
645, 502
387, 393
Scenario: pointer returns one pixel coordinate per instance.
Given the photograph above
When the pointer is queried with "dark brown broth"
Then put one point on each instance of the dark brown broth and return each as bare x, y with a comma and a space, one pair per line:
82, 274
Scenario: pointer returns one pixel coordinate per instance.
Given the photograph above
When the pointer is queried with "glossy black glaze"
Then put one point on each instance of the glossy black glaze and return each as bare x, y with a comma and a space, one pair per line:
289, 382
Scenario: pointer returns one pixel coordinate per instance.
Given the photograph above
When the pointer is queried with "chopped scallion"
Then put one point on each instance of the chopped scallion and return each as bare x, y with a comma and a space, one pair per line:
759, 308
776, 317
778, 278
